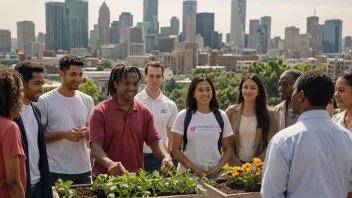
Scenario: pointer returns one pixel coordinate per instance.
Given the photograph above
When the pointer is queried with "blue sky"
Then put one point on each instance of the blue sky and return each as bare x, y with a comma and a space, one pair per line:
284, 13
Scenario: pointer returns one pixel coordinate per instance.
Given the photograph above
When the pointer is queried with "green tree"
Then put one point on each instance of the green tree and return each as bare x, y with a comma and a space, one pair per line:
91, 89
4, 63
170, 84
47, 89
303, 67
105, 65
179, 97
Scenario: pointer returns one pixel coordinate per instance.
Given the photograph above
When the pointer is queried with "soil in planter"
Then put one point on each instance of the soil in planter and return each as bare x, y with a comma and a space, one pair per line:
232, 189
85, 192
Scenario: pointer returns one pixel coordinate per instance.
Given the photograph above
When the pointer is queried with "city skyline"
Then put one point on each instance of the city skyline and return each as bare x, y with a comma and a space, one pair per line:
283, 15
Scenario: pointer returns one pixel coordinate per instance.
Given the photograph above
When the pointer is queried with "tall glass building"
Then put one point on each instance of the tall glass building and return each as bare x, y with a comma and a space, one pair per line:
205, 25
332, 36
189, 19
55, 21
76, 24
150, 14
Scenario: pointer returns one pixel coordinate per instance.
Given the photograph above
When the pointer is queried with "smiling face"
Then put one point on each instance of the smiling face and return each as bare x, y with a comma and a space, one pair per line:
72, 78
154, 78
34, 87
128, 87
203, 93
343, 93
249, 90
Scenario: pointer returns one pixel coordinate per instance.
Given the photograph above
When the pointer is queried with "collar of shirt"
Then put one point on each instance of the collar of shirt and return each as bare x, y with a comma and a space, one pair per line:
342, 120
313, 114
113, 104
145, 95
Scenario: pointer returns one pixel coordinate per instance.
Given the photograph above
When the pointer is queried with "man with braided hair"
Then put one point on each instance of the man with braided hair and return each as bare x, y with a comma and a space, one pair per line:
120, 125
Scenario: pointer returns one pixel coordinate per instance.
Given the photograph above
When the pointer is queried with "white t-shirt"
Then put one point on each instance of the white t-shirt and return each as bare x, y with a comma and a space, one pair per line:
247, 131
203, 134
31, 127
164, 112
62, 114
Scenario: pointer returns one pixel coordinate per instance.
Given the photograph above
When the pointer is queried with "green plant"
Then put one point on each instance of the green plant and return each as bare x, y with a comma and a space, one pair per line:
142, 184
64, 188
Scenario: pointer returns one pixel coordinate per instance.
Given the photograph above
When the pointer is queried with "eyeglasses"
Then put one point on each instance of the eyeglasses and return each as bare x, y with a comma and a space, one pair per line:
284, 84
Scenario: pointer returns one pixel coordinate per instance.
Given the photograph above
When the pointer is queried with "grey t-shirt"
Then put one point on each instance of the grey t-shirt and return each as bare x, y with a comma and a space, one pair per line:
62, 113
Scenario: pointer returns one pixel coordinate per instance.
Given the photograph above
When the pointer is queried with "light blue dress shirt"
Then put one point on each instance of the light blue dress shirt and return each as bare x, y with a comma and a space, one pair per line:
311, 159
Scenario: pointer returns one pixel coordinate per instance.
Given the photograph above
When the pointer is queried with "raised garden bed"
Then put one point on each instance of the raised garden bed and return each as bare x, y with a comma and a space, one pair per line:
179, 184
238, 181
84, 191
220, 190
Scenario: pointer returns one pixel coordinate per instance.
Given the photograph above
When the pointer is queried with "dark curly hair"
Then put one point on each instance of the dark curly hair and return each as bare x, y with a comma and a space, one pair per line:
118, 73
10, 93
27, 68
347, 76
191, 102
261, 109
317, 87
68, 60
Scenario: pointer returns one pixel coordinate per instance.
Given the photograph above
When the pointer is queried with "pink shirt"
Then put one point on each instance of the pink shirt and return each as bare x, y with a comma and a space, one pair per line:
10, 146
122, 133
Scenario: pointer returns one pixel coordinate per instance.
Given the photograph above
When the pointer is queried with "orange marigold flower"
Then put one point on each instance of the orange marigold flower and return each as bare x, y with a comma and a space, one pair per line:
257, 161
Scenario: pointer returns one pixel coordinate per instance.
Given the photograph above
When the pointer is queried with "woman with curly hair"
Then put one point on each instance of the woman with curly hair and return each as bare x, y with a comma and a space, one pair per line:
12, 157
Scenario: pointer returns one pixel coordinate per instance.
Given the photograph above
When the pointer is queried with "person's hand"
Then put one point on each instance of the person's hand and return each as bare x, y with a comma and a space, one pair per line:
85, 131
197, 171
167, 165
116, 169
213, 172
74, 135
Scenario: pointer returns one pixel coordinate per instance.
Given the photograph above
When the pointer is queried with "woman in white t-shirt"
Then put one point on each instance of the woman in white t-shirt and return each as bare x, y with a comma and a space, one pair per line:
253, 122
203, 132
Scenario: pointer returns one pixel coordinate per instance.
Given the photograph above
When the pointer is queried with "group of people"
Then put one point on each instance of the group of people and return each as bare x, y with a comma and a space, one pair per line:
51, 136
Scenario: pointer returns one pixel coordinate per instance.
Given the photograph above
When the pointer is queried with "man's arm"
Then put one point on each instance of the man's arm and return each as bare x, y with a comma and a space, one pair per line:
276, 172
74, 135
169, 136
159, 149
99, 154
12, 170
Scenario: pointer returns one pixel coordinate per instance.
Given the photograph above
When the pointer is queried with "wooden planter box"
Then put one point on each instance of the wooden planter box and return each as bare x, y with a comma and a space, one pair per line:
215, 193
56, 195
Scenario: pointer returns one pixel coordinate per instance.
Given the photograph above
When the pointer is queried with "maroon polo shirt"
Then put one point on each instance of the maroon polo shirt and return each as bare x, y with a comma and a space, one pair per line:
122, 133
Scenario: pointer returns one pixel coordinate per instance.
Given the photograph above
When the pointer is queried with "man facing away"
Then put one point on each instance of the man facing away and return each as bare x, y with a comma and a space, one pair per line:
312, 158
163, 109
30, 125
65, 116
285, 116
119, 126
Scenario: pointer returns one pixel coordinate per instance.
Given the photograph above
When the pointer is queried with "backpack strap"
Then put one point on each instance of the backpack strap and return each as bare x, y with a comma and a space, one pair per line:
221, 123
185, 127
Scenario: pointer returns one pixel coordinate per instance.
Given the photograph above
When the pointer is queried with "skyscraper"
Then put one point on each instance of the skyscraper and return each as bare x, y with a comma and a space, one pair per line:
315, 31
266, 20
76, 24
252, 38
55, 25
115, 32
332, 36
5, 41
205, 25
126, 20
150, 14
25, 33
175, 26
238, 22
291, 33
104, 25
189, 19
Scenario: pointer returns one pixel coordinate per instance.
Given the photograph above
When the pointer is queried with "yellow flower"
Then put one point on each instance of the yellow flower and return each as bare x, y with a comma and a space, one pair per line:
259, 170
247, 165
260, 165
226, 167
258, 173
257, 161
248, 170
235, 173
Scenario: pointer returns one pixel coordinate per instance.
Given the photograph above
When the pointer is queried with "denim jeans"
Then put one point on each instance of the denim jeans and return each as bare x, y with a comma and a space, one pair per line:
151, 163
